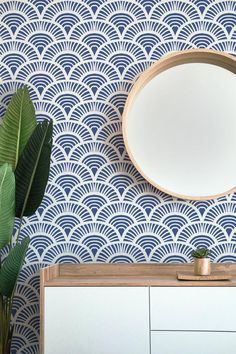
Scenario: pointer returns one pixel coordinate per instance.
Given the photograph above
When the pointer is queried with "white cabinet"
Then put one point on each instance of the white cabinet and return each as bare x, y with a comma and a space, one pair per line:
135, 309
96, 320
139, 320
193, 343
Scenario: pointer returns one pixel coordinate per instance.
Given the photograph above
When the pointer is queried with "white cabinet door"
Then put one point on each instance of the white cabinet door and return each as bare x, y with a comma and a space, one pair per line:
193, 308
96, 320
193, 343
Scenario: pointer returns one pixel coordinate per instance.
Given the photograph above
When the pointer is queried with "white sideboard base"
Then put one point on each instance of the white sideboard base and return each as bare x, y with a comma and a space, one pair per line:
135, 309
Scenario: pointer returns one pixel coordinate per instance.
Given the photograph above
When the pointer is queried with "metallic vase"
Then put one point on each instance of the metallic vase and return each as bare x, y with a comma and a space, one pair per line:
202, 266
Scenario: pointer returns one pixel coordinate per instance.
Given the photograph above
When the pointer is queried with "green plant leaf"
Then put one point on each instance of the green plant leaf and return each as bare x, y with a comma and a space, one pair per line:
32, 170
200, 252
18, 124
7, 203
11, 268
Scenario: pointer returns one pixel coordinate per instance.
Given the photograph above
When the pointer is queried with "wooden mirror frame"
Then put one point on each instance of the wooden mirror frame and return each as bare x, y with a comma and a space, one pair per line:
207, 56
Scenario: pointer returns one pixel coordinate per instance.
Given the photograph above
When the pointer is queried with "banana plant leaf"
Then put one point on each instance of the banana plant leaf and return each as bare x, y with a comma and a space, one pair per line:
17, 126
7, 203
32, 170
11, 268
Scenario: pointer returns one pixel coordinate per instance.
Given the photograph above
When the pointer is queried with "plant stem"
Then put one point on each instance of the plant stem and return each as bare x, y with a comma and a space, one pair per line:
8, 321
1, 315
1, 324
18, 233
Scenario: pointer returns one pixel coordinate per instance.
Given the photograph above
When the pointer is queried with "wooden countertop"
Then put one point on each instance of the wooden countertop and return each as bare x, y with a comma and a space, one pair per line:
139, 274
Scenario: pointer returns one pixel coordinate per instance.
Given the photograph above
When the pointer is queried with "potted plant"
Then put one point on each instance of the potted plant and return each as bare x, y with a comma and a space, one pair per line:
202, 264
25, 151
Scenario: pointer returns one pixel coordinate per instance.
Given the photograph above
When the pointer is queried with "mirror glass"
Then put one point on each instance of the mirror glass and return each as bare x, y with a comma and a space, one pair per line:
180, 126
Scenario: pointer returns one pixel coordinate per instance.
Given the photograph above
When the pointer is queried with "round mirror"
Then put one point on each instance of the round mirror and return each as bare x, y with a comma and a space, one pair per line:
179, 124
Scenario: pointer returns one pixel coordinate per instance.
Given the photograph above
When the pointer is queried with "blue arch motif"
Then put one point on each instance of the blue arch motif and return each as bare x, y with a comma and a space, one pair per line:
80, 60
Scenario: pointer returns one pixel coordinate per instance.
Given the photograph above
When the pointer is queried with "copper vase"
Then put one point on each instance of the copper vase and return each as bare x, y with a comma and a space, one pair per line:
202, 266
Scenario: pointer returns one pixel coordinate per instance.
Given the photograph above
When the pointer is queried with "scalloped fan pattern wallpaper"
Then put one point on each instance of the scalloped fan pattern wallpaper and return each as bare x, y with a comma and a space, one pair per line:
80, 60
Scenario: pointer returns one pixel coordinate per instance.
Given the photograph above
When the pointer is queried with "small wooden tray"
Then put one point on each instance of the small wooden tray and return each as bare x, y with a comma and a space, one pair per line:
214, 276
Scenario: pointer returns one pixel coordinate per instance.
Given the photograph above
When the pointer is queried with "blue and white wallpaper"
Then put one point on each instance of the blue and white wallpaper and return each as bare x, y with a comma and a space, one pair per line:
80, 60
